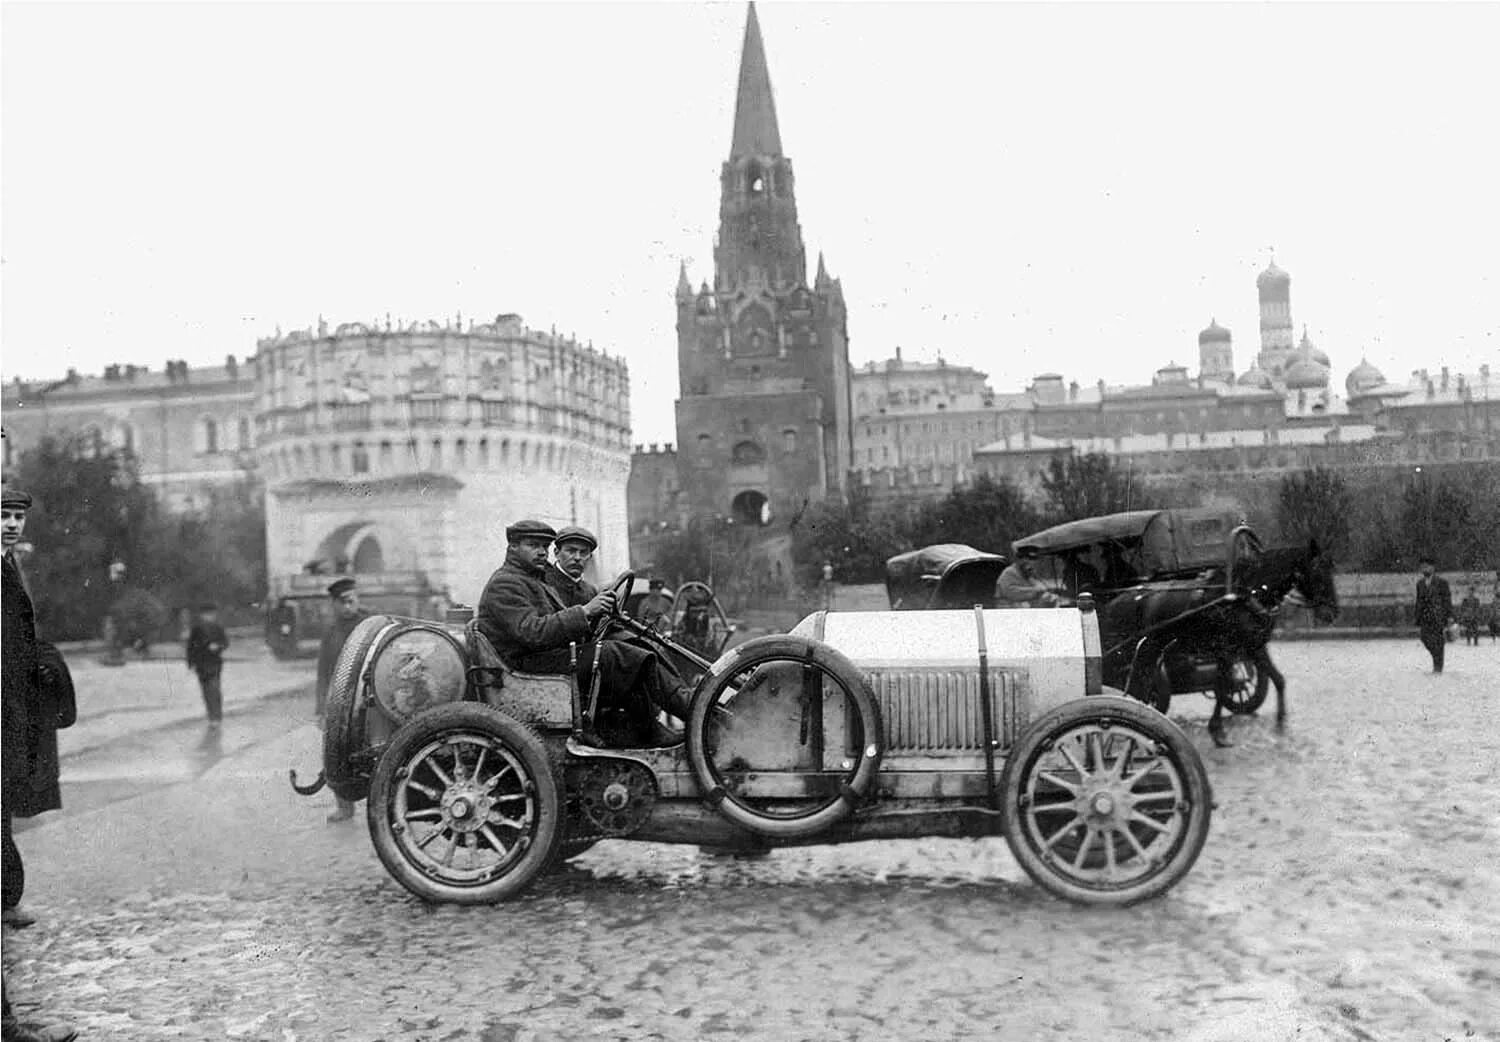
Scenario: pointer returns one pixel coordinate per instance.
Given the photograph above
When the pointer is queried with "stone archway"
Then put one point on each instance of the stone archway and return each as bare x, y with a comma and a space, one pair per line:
751, 507
353, 547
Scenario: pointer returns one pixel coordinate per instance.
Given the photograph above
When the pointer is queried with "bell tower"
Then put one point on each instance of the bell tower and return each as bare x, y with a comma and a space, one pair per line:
763, 414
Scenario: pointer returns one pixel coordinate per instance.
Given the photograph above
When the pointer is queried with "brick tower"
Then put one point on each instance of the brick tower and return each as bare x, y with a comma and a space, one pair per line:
763, 417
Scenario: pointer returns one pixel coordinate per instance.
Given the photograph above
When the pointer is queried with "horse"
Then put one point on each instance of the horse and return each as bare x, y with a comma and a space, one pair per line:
1216, 622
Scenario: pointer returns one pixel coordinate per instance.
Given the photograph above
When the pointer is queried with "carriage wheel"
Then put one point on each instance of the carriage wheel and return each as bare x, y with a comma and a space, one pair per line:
1105, 802
737, 672
465, 806
1248, 688
344, 714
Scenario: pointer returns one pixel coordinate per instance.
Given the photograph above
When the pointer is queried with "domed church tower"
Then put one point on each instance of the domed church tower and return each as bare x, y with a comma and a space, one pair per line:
1215, 354
763, 414
1276, 342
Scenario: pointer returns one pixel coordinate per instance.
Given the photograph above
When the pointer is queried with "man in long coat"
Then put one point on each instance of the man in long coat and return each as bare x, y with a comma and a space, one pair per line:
531, 629
1434, 610
347, 614
38, 701
206, 644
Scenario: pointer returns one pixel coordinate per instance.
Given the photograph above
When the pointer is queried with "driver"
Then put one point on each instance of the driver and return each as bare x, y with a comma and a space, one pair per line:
531, 628
1018, 586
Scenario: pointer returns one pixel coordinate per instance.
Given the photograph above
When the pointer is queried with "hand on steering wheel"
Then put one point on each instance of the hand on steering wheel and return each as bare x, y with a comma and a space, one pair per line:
612, 599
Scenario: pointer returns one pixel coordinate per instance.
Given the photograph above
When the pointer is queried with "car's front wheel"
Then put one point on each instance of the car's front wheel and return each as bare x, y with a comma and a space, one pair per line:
465, 806
1106, 802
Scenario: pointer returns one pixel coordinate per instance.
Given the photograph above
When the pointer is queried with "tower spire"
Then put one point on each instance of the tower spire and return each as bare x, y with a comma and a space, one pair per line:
755, 130
684, 287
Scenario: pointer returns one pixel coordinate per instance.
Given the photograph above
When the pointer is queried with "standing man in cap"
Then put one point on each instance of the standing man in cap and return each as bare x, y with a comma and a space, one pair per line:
205, 656
22, 684
572, 549
531, 628
347, 614
1434, 609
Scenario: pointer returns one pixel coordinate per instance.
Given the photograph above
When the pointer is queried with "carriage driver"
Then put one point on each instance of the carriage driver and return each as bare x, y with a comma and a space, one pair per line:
531, 628
1018, 586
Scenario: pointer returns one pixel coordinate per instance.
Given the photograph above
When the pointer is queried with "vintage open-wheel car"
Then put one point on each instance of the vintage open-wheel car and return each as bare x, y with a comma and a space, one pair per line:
854, 726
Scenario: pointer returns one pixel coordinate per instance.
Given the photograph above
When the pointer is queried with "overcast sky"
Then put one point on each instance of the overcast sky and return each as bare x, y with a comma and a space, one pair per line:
1019, 187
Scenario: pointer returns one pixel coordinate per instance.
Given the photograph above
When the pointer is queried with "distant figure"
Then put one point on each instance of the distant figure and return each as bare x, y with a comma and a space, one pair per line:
347, 614
656, 605
1018, 586
1470, 614
205, 656
1495, 611
1434, 611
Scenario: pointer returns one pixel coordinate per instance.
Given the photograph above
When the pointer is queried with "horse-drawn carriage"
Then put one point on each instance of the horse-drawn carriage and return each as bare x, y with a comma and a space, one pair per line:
1187, 600
855, 726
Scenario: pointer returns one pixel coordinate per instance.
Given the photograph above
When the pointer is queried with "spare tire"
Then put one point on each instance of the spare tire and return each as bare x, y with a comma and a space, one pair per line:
344, 740
711, 721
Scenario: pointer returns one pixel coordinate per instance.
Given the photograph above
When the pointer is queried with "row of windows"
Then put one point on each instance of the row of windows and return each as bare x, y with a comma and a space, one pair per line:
210, 436
382, 458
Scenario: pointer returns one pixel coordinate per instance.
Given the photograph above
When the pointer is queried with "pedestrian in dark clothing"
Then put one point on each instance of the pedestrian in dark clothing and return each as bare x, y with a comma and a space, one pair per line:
205, 656
38, 700
347, 614
1470, 615
1434, 611
531, 629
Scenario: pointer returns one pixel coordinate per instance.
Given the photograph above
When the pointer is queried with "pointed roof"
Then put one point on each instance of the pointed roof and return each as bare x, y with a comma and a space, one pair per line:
755, 130
684, 287
822, 277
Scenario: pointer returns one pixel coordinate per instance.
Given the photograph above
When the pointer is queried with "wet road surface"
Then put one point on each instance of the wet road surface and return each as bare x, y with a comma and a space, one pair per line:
1347, 891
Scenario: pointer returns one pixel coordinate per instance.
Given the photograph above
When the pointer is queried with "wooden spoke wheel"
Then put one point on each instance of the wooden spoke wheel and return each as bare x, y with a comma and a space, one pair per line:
465, 805
1106, 802
1247, 688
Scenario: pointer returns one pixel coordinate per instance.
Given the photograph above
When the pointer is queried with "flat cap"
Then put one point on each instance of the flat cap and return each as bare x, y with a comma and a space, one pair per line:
577, 534
14, 497
656, 584
530, 529
208, 606
339, 587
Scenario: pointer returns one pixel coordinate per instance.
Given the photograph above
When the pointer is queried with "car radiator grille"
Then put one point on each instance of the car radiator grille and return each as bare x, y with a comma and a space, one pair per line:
928, 712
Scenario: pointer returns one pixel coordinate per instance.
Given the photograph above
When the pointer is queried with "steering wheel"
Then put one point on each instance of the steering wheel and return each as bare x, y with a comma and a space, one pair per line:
621, 589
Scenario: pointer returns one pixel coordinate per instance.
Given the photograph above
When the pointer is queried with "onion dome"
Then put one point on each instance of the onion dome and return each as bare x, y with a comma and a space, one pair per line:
1273, 276
1215, 333
1308, 349
1363, 377
1255, 376
1305, 374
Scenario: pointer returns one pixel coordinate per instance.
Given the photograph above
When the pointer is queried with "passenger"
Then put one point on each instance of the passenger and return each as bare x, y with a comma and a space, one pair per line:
1018, 586
531, 629
571, 551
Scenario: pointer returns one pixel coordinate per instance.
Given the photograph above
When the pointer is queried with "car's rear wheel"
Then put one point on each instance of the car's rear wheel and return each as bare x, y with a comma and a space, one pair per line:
345, 743
1106, 802
465, 806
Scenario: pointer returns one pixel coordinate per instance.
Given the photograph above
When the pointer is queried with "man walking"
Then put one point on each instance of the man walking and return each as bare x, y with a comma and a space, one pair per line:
347, 614
205, 656
1434, 610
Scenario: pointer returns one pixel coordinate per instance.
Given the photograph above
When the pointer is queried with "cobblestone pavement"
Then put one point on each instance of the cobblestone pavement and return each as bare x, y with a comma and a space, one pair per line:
1347, 892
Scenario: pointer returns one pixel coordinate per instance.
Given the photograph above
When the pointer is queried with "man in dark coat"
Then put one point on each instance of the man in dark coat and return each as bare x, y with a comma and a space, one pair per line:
347, 614
205, 656
38, 701
571, 551
1434, 610
531, 628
